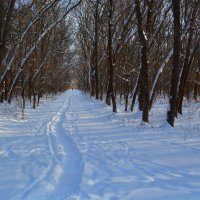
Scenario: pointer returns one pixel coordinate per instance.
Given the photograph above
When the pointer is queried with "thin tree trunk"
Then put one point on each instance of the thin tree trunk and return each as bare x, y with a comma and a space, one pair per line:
23, 99
38, 98
134, 97
34, 100
110, 93
127, 95
2, 2
96, 48
197, 82
187, 64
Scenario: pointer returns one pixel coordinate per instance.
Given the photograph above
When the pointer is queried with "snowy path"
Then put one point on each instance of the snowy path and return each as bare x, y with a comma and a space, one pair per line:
63, 174
73, 148
129, 163
43, 163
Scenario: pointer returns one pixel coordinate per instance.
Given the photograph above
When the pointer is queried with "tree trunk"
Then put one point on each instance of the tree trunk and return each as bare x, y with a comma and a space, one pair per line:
34, 100
127, 95
5, 18
134, 97
96, 48
176, 63
187, 64
110, 93
144, 89
38, 99
1, 31
197, 82
23, 100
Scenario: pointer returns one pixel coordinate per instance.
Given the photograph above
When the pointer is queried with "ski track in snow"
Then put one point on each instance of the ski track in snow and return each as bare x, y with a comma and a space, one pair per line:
58, 178
81, 151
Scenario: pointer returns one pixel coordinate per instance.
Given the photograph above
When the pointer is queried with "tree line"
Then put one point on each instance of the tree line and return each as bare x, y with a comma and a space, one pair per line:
35, 48
139, 50
134, 49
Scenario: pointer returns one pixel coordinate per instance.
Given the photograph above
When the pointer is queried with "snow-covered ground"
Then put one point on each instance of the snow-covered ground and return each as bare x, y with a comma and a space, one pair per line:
73, 147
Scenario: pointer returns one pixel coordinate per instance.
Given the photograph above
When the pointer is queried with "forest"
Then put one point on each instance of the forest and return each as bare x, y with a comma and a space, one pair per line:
99, 99
136, 50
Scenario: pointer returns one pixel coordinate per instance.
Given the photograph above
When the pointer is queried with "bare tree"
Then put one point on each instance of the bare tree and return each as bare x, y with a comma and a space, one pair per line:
176, 63
144, 89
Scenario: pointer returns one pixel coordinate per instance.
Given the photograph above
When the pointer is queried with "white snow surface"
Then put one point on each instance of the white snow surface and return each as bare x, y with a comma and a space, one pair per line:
74, 148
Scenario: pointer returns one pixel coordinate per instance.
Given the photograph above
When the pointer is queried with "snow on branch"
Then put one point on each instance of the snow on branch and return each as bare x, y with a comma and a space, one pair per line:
166, 60
41, 36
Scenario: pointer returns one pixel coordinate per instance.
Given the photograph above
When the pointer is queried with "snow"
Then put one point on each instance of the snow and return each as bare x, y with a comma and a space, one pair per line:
145, 36
160, 70
73, 147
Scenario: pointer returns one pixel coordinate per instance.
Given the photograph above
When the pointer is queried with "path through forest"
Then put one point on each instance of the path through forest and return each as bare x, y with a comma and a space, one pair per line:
80, 150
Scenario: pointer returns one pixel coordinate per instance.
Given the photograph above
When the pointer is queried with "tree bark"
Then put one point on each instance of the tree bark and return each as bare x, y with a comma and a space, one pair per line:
176, 63
187, 63
5, 18
144, 89
197, 82
96, 48
110, 93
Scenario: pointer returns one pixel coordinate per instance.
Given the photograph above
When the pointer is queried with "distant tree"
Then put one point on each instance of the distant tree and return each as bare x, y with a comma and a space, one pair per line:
35, 43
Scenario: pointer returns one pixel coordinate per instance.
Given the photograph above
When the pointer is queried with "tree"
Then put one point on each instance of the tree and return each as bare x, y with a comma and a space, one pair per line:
189, 55
144, 81
34, 43
149, 42
96, 48
176, 63
110, 91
